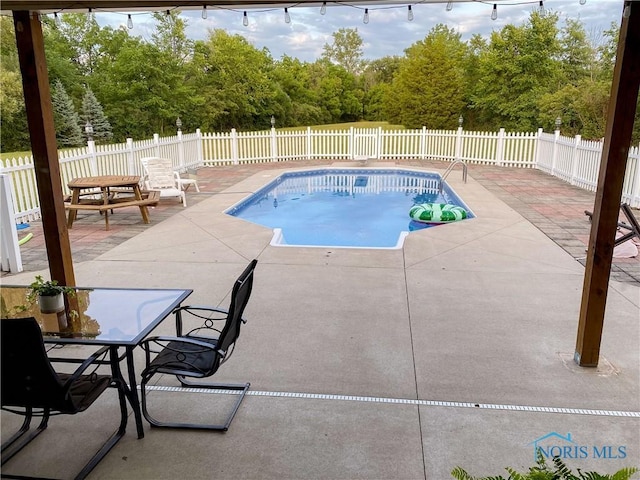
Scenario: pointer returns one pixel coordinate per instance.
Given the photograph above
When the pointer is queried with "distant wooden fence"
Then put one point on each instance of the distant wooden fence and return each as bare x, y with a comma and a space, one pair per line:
574, 160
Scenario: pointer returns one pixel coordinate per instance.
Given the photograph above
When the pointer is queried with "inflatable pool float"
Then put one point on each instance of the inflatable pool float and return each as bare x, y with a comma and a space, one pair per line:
437, 213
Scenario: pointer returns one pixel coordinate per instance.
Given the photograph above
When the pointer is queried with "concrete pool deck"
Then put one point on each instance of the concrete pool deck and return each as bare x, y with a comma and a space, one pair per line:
454, 351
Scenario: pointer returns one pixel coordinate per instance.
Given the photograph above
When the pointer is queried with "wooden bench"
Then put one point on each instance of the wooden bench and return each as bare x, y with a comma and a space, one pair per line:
149, 197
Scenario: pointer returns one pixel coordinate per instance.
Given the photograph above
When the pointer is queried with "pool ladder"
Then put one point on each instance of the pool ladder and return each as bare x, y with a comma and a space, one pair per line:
448, 171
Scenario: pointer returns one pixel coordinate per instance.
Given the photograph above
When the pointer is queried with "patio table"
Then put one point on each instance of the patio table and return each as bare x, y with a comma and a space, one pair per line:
113, 317
101, 186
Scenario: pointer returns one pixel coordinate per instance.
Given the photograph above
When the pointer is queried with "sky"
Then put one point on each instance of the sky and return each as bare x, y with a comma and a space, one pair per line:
388, 32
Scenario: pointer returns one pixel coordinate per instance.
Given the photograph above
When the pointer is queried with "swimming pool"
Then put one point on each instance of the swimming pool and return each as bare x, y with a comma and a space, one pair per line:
351, 208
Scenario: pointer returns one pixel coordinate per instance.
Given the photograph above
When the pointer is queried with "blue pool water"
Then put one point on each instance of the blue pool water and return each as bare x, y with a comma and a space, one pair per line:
367, 208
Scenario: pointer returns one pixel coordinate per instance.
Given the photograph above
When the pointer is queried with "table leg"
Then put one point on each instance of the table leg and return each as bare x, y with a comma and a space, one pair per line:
75, 199
133, 392
143, 208
105, 200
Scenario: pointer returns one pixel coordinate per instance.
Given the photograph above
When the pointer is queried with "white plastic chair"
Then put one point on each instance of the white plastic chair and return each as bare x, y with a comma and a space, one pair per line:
184, 183
159, 175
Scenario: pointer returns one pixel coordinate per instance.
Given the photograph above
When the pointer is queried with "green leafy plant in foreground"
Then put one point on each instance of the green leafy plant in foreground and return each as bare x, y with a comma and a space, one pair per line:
46, 288
543, 471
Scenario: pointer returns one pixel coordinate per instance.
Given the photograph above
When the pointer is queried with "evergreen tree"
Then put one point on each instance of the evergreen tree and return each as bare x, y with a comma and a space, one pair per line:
65, 117
92, 113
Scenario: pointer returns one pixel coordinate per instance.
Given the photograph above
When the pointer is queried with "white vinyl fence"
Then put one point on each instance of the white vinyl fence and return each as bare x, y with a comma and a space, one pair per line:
574, 160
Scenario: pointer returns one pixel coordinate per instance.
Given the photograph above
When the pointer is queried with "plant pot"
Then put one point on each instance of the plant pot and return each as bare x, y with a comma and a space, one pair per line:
51, 304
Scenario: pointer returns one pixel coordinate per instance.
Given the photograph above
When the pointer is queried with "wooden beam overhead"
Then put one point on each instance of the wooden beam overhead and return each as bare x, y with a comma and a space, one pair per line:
621, 113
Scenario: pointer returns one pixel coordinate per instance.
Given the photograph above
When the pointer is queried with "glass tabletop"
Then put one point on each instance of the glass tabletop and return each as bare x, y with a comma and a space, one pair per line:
105, 316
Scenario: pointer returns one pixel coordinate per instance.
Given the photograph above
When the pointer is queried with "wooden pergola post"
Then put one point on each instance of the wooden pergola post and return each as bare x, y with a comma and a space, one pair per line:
622, 108
37, 98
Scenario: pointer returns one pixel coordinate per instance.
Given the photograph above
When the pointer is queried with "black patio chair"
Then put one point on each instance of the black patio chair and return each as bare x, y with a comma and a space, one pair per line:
32, 388
201, 351
632, 228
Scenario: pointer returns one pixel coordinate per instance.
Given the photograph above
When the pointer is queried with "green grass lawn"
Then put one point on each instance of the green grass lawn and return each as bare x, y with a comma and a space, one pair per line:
10, 155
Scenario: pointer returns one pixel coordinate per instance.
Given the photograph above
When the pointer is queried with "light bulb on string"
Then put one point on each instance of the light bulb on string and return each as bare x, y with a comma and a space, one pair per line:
541, 7
204, 12
245, 19
409, 13
287, 17
626, 13
168, 13
90, 15
582, 2
494, 12
365, 19
129, 22
57, 19
323, 8
449, 5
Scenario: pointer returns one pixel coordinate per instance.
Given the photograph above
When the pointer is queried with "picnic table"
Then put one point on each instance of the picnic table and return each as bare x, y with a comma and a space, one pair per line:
106, 192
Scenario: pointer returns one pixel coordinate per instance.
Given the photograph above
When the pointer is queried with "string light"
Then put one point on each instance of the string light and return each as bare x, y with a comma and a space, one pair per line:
626, 13
204, 12
409, 13
582, 2
168, 13
365, 19
450, 5
57, 19
129, 22
287, 17
494, 12
90, 15
245, 19
323, 8
541, 7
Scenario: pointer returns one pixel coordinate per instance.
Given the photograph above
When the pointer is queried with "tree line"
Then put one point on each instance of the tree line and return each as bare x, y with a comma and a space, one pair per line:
521, 78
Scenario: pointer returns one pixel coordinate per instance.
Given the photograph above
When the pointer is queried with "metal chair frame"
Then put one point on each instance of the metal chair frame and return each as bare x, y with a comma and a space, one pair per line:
181, 355
45, 404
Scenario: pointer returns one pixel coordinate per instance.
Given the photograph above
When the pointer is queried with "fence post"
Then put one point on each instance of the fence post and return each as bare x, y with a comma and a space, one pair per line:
536, 149
554, 152
423, 143
93, 160
500, 148
180, 151
309, 143
458, 150
274, 145
351, 146
130, 160
574, 160
635, 189
199, 148
379, 152
156, 142
10, 257
234, 146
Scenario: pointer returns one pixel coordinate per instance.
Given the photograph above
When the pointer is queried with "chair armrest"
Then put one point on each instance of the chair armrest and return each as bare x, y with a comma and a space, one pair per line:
97, 356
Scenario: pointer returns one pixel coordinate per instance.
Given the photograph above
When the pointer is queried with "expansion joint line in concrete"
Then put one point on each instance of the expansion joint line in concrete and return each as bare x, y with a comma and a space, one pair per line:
407, 401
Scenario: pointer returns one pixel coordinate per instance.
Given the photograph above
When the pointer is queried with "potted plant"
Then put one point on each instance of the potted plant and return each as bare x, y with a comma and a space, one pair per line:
48, 294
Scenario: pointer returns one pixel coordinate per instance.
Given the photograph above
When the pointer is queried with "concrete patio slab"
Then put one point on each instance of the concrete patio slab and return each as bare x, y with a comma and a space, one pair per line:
359, 358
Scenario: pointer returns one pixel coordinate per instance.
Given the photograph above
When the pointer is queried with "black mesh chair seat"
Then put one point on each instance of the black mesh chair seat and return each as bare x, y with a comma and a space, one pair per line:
192, 359
200, 352
31, 387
